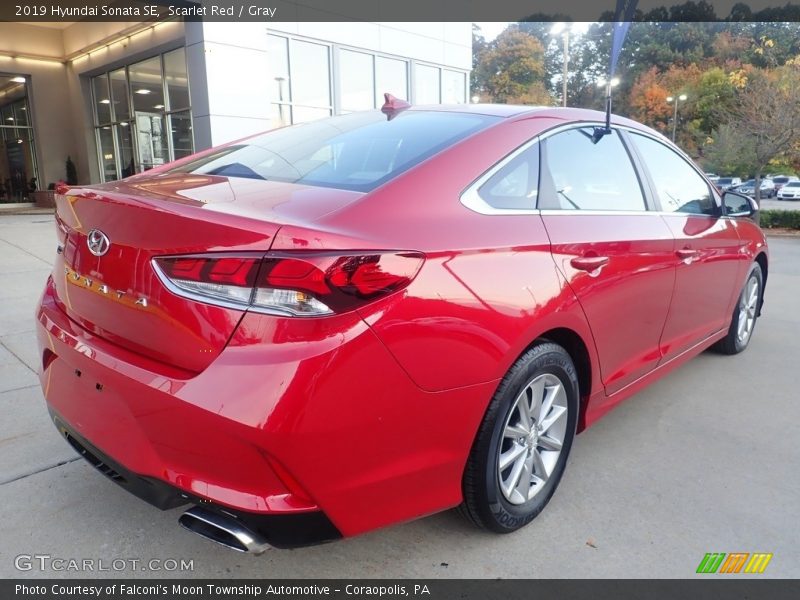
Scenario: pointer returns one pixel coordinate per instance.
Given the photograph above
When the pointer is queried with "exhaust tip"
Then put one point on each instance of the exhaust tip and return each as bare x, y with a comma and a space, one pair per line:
223, 530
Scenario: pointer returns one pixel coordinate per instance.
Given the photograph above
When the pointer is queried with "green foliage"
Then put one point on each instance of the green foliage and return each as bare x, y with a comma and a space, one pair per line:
510, 69
780, 219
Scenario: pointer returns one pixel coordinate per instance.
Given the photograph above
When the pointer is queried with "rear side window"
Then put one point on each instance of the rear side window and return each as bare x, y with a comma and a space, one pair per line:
359, 151
584, 175
679, 187
516, 185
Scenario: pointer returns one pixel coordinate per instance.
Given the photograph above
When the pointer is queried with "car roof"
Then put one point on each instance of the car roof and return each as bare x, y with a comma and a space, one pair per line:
519, 111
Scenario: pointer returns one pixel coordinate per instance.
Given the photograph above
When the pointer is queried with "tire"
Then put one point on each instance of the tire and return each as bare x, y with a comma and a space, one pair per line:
545, 380
747, 307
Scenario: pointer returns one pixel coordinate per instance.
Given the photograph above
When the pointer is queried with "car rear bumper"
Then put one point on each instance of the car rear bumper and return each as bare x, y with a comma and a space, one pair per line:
289, 530
330, 428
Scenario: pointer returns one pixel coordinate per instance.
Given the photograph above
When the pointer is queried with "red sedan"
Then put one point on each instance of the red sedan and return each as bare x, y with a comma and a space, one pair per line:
345, 324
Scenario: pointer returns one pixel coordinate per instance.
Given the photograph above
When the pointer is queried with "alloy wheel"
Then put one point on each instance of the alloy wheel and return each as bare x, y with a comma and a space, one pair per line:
748, 307
533, 437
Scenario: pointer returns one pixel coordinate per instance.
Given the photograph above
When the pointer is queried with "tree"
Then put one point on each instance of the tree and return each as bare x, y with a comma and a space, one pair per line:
764, 122
510, 69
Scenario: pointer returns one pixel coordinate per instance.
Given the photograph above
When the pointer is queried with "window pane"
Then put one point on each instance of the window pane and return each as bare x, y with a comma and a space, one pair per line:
589, 176
125, 145
278, 56
108, 161
146, 81
356, 81
357, 151
427, 85
177, 79
152, 142
454, 87
119, 95
390, 76
679, 187
21, 113
516, 185
181, 130
280, 115
303, 114
102, 99
311, 81
17, 166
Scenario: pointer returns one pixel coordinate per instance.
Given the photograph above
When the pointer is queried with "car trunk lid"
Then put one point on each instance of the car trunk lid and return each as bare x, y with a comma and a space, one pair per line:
108, 235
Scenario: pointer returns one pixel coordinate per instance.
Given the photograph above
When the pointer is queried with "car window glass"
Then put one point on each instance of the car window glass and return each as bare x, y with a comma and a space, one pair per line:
516, 185
584, 175
679, 187
357, 151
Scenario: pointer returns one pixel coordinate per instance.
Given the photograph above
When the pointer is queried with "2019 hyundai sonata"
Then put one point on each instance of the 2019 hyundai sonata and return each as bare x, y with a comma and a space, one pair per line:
344, 324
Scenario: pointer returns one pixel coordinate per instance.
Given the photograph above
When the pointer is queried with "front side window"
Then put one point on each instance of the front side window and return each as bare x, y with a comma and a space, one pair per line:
588, 175
680, 188
358, 151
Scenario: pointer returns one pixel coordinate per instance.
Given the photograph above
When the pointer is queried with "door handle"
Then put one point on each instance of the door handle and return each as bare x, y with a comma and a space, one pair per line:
686, 253
588, 263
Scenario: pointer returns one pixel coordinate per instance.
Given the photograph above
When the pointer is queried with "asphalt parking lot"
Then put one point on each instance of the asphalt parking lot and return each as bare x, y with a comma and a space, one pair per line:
706, 460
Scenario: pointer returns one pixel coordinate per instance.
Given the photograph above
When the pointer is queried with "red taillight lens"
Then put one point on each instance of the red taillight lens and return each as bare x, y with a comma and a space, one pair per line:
297, 284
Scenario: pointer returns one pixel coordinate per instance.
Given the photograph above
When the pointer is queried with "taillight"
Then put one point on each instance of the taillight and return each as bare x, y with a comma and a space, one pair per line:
294, 284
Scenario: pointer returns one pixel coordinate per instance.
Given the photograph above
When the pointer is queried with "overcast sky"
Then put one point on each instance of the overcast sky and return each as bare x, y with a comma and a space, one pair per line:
491, 30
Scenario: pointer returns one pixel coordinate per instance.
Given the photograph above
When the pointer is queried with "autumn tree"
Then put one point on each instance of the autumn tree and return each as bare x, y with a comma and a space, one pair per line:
510, 69
764, 124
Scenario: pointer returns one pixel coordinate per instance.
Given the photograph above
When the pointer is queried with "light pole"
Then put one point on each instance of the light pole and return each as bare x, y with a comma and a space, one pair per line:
680, 98
560, 28
564, 30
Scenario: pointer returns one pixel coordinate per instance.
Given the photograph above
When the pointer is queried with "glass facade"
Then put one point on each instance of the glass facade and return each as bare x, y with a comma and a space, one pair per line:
142, 115
311, 80
18, 172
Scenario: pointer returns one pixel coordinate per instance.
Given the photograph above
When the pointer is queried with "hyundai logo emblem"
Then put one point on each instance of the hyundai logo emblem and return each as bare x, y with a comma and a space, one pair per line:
98, 242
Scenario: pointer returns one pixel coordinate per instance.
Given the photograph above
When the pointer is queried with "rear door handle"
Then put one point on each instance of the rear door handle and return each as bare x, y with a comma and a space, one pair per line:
685, 253
588, 263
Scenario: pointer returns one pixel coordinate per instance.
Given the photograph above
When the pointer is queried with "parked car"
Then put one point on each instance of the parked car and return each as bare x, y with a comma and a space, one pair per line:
780, 180
790, 191
712, 177
726, 183
339, 325
748, 187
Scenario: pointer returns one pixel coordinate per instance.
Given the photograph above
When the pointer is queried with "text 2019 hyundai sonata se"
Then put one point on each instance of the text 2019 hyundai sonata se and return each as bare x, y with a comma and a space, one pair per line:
349, 323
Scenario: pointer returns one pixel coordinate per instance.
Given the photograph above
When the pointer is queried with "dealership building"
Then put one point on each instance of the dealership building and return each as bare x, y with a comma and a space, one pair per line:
119, 98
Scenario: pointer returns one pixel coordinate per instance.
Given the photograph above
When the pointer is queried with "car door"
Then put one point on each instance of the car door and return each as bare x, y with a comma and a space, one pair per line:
616, 254
709, 261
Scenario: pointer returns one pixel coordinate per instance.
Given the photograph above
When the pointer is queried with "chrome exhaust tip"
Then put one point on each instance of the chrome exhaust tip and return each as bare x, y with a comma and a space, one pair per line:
223, 530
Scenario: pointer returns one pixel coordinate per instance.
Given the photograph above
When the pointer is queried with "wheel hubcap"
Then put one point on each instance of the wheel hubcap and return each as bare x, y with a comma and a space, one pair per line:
533, 436
748, 306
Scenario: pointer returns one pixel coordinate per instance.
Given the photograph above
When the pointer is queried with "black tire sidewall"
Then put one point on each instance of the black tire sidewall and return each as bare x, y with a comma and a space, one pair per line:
738, 345
547, 358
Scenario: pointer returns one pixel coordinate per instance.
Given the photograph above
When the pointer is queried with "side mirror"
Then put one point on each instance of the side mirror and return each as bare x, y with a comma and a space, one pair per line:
739, 205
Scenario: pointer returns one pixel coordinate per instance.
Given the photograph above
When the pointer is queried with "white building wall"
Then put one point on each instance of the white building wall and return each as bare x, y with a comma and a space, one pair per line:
229, 77
230, 73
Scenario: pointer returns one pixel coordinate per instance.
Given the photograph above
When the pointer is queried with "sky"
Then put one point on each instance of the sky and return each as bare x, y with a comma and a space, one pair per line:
491, 30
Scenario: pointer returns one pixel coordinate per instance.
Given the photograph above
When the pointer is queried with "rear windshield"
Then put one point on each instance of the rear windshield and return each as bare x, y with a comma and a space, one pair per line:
359, 151
725, 180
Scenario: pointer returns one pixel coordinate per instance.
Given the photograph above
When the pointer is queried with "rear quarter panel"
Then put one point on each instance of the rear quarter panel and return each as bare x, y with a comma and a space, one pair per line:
489, 286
